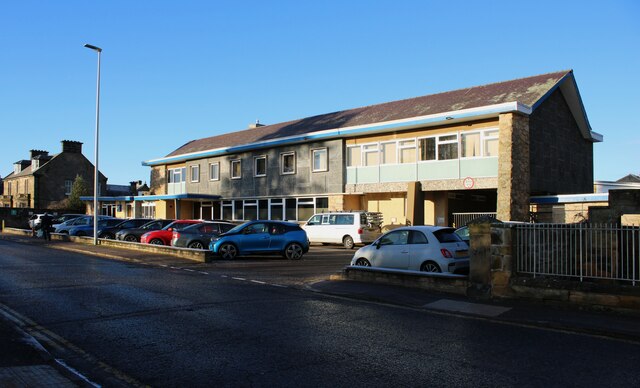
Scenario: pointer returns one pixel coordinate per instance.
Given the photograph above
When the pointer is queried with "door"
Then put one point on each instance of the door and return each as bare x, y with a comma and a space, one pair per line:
255, 237
393, 251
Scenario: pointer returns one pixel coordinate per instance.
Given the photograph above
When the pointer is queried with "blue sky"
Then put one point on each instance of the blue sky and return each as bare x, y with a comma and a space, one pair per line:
174, 71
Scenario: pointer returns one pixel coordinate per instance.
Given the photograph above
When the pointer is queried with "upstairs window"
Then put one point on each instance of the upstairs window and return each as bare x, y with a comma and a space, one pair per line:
320, 162
288, 163
260, 166
354, 156
371, 154
195, 173
68, 183
236, 169
214, 171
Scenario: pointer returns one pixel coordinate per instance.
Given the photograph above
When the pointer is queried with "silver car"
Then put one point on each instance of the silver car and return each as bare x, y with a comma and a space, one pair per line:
416, 248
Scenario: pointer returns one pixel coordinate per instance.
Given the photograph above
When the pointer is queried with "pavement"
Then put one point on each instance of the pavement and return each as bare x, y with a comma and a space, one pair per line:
25, 363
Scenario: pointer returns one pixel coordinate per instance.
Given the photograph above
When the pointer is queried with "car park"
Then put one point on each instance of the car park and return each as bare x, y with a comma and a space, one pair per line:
87, 229
164, 235
258, 237
416, 248
109, 232
133, 235
346, 228
84, 220
198, 236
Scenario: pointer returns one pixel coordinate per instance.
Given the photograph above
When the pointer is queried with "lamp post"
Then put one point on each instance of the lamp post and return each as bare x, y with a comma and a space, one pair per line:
96, 171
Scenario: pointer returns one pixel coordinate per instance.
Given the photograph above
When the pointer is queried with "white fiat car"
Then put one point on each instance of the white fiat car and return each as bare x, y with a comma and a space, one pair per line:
416, 248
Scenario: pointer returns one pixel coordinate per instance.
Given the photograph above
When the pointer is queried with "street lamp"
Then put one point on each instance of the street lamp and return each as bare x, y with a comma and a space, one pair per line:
95, 172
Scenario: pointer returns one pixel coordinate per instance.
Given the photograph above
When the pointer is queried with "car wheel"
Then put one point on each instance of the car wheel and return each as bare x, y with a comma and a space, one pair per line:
293, 251
130, 238
430, 266
228, 251
196, 245
347, 241
156, 241
362, 262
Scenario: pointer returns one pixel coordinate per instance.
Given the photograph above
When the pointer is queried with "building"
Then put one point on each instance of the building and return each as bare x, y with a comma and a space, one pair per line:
44, 181
420, 160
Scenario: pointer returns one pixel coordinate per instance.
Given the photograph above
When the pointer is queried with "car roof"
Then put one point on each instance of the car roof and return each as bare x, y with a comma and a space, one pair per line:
423, 228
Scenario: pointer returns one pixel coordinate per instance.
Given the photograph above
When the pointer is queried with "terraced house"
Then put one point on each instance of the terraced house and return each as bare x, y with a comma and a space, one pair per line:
483, 149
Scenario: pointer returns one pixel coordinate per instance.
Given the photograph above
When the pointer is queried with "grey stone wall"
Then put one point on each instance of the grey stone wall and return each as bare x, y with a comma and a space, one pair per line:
561, 158
303, 182
513, 168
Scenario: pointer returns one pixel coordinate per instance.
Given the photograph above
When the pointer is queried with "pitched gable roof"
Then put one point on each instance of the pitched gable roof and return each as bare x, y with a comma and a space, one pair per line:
528, 92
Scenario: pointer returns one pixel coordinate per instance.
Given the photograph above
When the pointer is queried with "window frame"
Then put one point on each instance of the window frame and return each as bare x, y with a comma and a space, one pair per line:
255, 166
217, 178
194, 168
370, 148
326, 159
231, 172
282, 164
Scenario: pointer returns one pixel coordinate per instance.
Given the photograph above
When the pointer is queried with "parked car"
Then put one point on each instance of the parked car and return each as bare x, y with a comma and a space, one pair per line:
164, 235
198, 236
65, 217
346, 228
109, 232
84, 220
87, 229
34, 220
285, 238
133, 235
416, 248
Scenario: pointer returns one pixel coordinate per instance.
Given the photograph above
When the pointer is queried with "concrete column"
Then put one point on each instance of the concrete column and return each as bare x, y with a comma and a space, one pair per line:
513, 168
415, 205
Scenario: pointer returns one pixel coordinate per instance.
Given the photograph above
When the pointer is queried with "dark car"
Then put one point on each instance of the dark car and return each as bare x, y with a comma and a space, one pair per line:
133, 235
284, 238
87, 229
109, 232
198, 236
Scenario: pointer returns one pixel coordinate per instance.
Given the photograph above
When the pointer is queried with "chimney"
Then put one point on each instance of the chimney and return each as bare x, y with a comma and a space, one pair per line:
34, 153
256, 125
71, 146
20, 165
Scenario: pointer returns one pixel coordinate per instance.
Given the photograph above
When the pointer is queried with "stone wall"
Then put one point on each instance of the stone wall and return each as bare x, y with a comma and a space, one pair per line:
561, 158
513, 168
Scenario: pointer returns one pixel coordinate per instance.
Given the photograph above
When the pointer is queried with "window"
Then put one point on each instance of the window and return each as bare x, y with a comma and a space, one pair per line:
490, 142
388, 153
148, 210
407, 150
427, 148
305, 208
448, 147
354, 156
68, 183
400, 237
236, 169
371, 154
250, 210
214, 171
320, 160
288, 163
260, 166
471, 145
177, 175
195, 173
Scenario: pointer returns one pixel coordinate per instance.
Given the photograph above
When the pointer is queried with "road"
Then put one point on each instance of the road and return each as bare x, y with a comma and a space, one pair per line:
251, 323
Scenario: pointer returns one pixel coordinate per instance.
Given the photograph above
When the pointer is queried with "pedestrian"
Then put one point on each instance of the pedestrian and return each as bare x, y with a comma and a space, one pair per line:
45, 225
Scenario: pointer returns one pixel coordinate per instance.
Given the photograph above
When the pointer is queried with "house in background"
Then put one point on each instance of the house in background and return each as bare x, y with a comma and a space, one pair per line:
44, 181
119, 202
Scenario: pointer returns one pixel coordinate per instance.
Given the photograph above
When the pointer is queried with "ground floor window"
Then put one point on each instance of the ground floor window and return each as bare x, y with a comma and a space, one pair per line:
289, 209
148, 210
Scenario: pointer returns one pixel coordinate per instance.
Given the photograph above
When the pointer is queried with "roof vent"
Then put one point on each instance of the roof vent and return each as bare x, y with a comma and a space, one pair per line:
255, 125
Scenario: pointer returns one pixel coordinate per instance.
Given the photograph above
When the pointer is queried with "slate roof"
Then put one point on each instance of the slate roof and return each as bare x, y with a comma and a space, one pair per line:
528, 91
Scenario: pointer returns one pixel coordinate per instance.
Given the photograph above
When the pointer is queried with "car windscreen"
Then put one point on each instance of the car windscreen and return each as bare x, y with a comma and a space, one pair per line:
447, 235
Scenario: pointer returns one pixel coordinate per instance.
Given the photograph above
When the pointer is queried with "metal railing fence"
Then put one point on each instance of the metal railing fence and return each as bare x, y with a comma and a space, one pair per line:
461, 219
579, 251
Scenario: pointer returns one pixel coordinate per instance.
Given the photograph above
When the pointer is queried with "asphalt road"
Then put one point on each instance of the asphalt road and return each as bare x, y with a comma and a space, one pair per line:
250, 323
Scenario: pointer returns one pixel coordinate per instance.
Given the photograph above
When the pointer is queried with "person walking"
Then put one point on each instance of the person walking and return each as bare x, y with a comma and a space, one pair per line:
45, 224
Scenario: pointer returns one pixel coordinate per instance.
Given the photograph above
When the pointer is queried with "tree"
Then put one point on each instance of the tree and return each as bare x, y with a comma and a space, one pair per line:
78, 189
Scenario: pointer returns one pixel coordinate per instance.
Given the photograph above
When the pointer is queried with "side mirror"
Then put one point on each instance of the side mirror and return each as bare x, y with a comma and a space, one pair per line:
170, 230
377, 244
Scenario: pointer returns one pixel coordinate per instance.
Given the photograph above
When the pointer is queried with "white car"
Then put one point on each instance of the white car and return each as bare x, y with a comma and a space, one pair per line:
346, 228
416, 248
35, 220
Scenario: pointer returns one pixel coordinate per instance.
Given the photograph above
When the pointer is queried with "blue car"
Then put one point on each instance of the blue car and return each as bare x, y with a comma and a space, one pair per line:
257, 237
87, 229
79, 221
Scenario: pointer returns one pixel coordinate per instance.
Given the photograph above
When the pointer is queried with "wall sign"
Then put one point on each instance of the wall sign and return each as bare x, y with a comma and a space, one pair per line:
468, 183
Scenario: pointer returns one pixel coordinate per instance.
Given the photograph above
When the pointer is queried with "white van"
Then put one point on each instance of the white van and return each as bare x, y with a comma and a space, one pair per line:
346, 228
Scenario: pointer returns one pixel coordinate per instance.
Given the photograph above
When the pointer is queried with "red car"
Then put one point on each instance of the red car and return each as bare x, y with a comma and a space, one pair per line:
164, 235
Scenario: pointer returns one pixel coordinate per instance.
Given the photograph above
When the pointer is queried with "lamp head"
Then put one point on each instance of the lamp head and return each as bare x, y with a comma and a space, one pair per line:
92, 47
